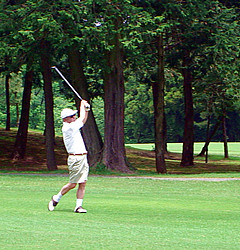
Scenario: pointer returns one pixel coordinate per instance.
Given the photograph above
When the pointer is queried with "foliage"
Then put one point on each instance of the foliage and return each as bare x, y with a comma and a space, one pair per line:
218, 86
209, 29
174, 106
138, 112
37, 111
15, 98
98, 111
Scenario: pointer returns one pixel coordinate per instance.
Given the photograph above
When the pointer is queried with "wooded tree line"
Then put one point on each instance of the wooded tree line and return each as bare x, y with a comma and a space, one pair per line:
176, 48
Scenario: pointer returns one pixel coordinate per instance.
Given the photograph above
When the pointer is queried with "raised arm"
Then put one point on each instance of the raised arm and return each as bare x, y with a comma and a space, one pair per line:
83, 111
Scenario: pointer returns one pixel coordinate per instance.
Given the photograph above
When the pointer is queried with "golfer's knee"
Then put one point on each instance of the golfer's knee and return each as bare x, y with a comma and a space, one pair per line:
72, 185
82, 185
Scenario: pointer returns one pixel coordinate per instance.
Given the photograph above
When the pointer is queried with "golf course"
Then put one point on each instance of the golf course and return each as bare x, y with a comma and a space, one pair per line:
119, 125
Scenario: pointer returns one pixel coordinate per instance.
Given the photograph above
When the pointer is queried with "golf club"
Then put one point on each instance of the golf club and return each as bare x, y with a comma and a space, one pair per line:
76, 93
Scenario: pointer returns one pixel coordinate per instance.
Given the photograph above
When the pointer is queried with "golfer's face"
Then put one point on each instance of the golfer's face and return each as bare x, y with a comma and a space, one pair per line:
73, 117
70, 119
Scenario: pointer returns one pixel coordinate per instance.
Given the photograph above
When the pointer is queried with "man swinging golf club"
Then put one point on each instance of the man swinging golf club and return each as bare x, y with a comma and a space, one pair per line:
77, 155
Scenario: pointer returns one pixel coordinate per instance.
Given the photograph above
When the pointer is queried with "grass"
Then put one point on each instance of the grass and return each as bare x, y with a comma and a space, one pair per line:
122, 214
215, 148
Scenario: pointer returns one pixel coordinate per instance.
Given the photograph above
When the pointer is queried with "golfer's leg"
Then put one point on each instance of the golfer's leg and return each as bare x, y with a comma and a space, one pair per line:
63, 191
81, 190
80, 196
67, 188
56, 198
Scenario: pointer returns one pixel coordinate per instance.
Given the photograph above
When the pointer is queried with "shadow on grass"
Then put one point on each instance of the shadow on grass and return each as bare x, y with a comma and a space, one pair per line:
141, 160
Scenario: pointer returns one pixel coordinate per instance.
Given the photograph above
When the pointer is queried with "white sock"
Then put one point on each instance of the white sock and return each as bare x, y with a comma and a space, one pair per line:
57, 197
79, 203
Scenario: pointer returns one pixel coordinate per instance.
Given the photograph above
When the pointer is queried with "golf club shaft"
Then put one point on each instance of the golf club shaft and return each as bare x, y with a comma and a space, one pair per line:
59, 72
87, 106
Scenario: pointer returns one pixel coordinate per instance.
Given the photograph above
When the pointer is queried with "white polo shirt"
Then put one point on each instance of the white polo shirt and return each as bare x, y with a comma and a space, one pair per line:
72, 137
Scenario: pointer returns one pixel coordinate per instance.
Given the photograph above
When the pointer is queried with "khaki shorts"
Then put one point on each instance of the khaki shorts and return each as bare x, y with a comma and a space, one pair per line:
78, 168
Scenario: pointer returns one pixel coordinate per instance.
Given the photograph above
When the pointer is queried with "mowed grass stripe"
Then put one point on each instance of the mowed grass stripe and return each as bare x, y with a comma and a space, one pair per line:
122, 214
214, 148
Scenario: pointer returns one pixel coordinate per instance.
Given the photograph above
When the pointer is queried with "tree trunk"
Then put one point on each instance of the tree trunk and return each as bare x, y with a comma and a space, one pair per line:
17, 110
165, 133
7, 102
210, 138
158, 100
225, 136
207, 137
21, 138
90, 131
49, 118
114, 153
188, 137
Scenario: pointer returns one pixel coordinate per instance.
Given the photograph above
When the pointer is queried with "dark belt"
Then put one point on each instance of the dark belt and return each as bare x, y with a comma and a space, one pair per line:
78, 154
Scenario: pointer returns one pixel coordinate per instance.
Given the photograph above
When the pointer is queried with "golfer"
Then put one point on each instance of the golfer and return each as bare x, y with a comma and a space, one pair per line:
77, 156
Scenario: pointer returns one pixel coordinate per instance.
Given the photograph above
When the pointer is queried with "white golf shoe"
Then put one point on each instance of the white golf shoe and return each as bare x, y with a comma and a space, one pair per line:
52, 204
80, 210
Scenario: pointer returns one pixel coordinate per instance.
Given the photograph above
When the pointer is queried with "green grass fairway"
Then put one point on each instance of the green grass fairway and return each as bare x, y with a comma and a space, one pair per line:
122, 214
215, 148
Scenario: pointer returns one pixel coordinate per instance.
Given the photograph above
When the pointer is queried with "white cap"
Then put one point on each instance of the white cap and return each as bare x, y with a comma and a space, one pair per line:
68, 112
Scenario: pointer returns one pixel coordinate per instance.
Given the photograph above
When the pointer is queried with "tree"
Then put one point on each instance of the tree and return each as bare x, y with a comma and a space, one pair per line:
7, 77
50, 133
41, 28
194, 31
114, 154
74, 20
99, 39
224, 135
112, 21
188, 137
209, 136
31, 34
6, 52
21, 138
149, 59
158, 97
219, 85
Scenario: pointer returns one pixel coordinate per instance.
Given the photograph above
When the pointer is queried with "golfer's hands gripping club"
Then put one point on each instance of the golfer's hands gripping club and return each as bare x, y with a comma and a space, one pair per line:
86, 105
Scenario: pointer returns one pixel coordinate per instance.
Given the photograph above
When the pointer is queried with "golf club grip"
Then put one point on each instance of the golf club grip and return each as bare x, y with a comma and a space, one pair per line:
87, 107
